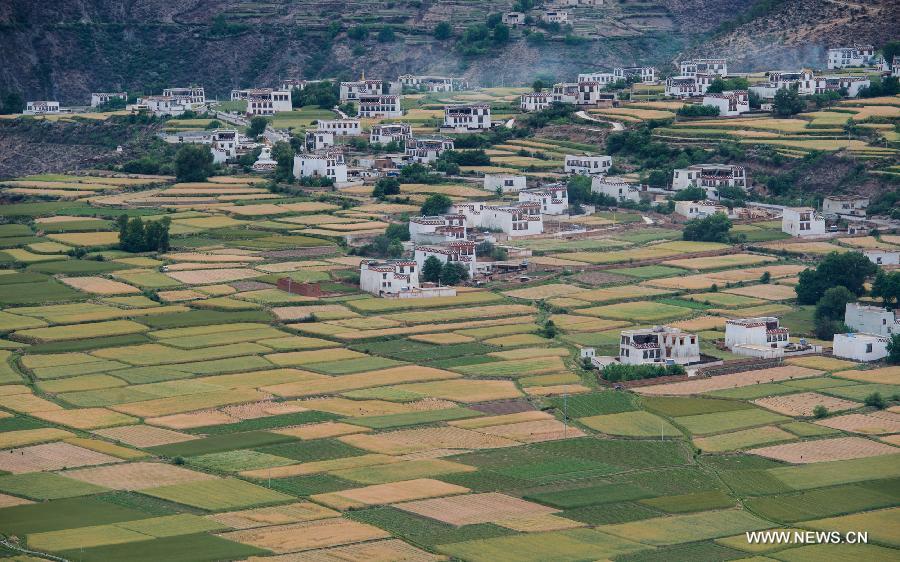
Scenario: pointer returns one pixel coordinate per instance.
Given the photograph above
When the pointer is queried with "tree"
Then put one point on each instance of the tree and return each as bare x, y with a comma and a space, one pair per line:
386, 35
436, 204
713, 228
787, 102
549, 330
358, 32
453, 273
820, 412
493, 20
765, 278
12, 103
257, 126
385, 187
443, 31
283, 155
537, 85
830, 311
500, 34
875, 400
697, 110
692, 193
887, 288
890, 50
850, 269
398, 231
193, 163
893, 349
133, 239
431, 270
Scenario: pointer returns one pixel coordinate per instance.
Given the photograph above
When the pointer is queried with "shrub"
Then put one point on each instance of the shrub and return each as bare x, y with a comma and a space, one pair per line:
698, 111
820, 412
875, 400
617, 372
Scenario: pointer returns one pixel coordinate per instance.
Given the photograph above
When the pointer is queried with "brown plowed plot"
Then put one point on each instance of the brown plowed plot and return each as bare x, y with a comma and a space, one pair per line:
9, 501
471, 509
395, 492
876, 423
734, 380
138, 475
51, 456
144, 435
415, 440
533, 431
275, 515
390, 550
307, 535
205, 276
823, 450
100, 286
321, 430
802, 404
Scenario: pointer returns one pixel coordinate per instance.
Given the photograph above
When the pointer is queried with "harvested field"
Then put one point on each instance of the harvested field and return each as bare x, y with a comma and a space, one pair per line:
144, 435
384, 377
275, 515
875, 423
209, 276
28, 436
720, 262
85, 418
405, 470
51, 456
137, 475
178, 404
466, 391
544, 291
321, 430
830, 364
86, 238
389, 550
802, 404
533, 431
442, 338
100, 286
424, 439
767, 292
475, 508
9, 501
824, 450
884, 375
736, 380
317, 467
394, 492
307, 535
218, 494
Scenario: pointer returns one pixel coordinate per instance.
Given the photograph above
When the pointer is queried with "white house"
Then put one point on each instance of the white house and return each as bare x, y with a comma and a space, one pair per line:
579, 2
264, 101
883, 257
388, 278
425, 150
693, 67
857, 55
386, 133
475, 116
851, 83
802, 221
860, 347
379, 105
350, 91
165, 105
643, 74
845, 205
429, 83
41, 108
699, 209
604, 78
323, 164
589, 92
710, 177
437, 229
519, 219
730, 102
587, 165
506, 183
318, 139
682, 87
872, 319
191, 94
660, 344
553, 198
895, 66
617, 188
564, 92
513, 18
535, 101
459, 251
555, 16
756, 337
340, 127
100, 98
224, 145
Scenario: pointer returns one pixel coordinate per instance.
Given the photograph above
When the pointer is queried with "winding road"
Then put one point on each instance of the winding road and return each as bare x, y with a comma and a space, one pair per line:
615, 124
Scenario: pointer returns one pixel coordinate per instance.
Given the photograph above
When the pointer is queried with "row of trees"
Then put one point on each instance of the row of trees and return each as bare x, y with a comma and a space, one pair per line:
435, 271
137, 236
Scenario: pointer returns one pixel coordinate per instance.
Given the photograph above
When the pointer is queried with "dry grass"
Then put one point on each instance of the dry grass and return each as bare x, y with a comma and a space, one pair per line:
275, 515
28, 436
802, 404
884, 375
874, 423
100, 286
86, 238
51, 456
766, 292
825, 450
425, 439
735, 380
394, 492
85, 418
144, 436
307, 535
472, 509
321, 430
138, 475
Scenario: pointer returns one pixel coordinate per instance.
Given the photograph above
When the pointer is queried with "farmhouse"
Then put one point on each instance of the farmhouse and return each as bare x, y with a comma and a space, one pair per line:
699, 209
340, 127
555, 16
41, 108
553, 199
883, 257
579, 2
535, 101
756, 337
730, 102
710, 177
564, 92
388, 278
643, 74
605, 78
390, 132
505, 183
513, 18
860, 347
350, 91
322, 164
467, 117
872, 319
857, 55
682, 86
895, 66
318, 139
802, 221
617, 188
803, 80
190, 95
660, 344
459, 251
693, 67
437, 229
379, 105
427, 149
429, 83
589, 93
520, 219
587, 165
845, 205
164, 105
100, 98
224, 145
266, 101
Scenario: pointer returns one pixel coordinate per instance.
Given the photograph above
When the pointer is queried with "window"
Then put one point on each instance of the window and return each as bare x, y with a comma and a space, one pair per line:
868, 348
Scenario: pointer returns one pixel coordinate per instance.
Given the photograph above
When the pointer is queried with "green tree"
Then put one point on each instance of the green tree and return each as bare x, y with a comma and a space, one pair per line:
386, 35
156, 235
820, 412
850, 269
442, 31
133, 239
887, 288
257, 126
283, 155
692, 193
537, 85
398, 231
893, 349
830, 311
386, 186
765, 278
193, 163
453, 273
12, 103
358, 32
787, 102
436, 204
500, 34
713, 228
875, 400
549, 330
431, 270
